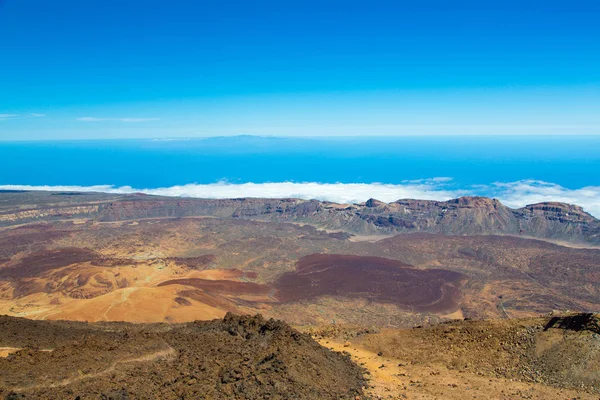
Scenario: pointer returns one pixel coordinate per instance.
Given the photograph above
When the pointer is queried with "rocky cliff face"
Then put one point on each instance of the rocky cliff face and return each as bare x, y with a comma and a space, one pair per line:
462, 216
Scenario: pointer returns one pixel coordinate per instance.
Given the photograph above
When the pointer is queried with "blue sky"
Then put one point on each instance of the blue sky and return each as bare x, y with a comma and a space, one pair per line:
127, 69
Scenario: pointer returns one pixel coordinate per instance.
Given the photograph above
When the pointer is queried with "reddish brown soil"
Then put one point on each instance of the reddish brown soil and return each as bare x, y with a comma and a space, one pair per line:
250, 275
47, 260
24, 238
208, 299
194, 262
182, 301
44, 261
221, 286
374, 278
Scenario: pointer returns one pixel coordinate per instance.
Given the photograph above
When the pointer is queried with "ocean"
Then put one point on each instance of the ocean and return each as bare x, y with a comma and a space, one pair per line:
516, 169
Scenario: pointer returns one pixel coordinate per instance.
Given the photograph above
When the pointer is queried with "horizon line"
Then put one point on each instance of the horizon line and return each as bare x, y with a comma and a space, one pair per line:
268, 136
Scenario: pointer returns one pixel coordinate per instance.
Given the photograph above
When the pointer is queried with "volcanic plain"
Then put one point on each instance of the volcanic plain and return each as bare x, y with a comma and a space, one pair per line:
184, 269
429, 299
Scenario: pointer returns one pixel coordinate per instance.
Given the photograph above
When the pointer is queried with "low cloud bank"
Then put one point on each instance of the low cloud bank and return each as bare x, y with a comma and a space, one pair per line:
513, 194
521, 193
96, 119
5, 117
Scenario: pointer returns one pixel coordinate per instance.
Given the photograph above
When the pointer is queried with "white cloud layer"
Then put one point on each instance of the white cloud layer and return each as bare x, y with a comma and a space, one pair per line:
4, 117
513, 194
520, 193
95, 119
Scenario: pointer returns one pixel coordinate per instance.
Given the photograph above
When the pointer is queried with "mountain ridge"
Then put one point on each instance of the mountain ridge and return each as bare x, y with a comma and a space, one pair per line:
468, 215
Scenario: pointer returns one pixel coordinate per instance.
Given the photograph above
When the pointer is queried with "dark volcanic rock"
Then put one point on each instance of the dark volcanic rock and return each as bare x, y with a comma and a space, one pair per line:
374, 278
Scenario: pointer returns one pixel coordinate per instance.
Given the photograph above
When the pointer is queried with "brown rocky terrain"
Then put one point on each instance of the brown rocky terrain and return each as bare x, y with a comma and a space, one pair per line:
237, 357
549, 357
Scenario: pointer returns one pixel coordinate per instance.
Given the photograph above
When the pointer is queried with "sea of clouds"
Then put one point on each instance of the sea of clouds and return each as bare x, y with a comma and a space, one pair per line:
513, 194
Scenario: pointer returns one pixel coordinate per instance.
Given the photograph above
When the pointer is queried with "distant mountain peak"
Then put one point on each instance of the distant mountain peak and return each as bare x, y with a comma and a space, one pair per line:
475, 201
374, 203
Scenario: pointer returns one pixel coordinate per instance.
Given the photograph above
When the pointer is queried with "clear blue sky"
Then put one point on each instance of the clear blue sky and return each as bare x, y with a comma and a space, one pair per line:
129, 68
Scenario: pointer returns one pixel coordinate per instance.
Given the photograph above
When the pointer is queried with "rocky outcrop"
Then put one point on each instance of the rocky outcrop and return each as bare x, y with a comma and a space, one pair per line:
559, 212
237, 357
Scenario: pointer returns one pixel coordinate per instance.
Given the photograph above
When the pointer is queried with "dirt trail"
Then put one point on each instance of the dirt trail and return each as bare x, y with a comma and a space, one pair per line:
5, 351
168, 353
124, 297
393, 378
